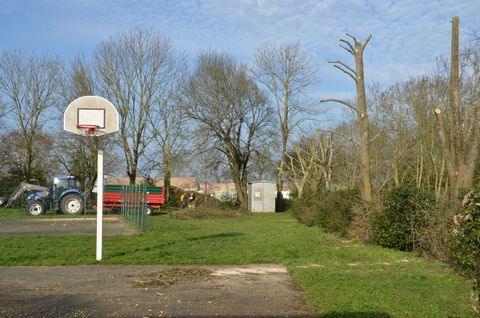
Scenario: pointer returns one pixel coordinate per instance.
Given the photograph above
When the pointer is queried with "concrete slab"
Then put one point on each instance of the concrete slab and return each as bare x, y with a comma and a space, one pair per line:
150, 291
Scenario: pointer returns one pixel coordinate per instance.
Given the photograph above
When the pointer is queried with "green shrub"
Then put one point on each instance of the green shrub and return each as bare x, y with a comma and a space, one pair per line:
466, 240
404, 212
331, 210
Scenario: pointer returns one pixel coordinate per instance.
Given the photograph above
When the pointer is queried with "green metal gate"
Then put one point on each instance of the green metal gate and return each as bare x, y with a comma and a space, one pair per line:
134, 205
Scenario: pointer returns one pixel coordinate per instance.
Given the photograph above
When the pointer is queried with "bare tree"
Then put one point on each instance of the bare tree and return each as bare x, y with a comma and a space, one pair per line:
168, 119
78, 154
29, 85
12, 155
286, 71
230, 110
356, 48
132, 67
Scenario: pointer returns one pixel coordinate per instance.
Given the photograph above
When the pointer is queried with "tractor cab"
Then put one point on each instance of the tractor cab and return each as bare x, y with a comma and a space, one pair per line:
61, 187
61, 184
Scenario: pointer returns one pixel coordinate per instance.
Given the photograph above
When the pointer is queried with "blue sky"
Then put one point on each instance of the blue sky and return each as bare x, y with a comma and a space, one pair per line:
407, 35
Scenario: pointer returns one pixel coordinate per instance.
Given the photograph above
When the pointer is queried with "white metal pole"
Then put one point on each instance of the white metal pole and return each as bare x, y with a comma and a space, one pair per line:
99, 204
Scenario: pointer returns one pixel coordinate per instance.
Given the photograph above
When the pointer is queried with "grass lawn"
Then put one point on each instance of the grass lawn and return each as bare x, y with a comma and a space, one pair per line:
341, 278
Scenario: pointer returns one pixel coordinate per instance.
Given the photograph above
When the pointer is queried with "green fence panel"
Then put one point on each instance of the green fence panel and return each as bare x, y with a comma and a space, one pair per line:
134, 205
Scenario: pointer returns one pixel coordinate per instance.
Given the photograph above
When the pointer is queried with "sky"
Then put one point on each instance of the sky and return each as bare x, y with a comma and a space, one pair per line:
407, 36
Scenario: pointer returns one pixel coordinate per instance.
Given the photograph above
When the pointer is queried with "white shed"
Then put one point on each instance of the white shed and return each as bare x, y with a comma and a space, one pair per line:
261, 196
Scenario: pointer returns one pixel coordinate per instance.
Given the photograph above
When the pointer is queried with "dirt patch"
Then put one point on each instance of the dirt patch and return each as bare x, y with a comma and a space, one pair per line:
58, 227
173, 276
165, 291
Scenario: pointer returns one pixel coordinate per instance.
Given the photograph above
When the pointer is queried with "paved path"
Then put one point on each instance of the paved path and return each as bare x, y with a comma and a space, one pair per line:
149, 291
54, 227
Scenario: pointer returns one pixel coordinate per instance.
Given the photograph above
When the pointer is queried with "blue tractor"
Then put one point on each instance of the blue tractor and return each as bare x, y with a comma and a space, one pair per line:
64, 196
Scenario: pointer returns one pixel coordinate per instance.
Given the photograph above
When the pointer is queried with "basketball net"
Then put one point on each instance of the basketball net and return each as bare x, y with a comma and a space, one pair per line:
89, 130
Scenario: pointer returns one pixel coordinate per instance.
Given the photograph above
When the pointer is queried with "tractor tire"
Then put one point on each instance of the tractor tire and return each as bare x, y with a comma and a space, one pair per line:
36, 208
71, 204
149, 210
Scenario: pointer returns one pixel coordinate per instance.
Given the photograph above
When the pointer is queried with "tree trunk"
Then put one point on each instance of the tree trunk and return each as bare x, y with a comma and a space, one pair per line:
240, 188
457, 140
132, 175
281, 167
167, 175
365, 175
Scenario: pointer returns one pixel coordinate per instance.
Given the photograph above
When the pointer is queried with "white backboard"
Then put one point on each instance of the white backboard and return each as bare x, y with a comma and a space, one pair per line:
91, 110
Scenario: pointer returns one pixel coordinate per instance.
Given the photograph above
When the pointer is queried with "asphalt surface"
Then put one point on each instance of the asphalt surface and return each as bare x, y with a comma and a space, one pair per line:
150, 291
58, 227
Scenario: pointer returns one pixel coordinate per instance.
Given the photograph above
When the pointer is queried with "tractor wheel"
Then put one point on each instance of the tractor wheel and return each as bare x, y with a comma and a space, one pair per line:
36, 208
149, 209
71, 204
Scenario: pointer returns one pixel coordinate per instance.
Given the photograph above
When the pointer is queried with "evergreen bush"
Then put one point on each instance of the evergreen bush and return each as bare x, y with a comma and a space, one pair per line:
405, 211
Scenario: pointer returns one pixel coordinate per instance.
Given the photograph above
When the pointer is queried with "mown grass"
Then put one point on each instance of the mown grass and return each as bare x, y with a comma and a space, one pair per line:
341, 278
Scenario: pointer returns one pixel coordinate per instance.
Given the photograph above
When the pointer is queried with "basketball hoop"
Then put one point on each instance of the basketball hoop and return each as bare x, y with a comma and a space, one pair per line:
93, 116
89, 130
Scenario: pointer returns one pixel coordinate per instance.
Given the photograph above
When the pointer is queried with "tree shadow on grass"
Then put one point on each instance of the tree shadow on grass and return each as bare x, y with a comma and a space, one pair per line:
361, 314
216, 236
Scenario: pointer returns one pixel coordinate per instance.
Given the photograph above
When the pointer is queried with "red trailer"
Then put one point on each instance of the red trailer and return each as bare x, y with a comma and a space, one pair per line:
112, 197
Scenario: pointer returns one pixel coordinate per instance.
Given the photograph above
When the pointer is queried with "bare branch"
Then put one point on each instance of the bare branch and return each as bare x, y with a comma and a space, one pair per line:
378, 134
344, 65
346, 49
366, 41
353, 38
348, 73
340, 102
351, 50
341, 135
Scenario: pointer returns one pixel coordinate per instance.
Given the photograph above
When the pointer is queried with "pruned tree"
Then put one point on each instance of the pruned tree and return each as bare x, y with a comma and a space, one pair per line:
132, 68
310, 163
230, 111
300, 166
29, 85
286, 71
356, 49
457, 122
